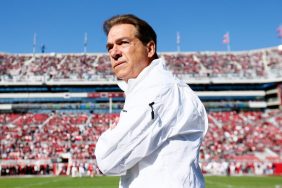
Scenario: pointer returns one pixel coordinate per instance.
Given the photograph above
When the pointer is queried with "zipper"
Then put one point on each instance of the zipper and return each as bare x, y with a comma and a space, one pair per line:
152, 112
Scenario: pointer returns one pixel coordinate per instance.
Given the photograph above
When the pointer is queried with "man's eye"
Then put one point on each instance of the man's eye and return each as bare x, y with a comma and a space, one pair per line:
109, 48
124, 42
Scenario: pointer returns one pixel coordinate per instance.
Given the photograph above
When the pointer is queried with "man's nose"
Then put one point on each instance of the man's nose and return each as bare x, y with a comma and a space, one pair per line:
115, 52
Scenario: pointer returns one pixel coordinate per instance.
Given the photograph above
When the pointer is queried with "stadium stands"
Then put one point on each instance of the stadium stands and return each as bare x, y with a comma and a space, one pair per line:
53, 107
251, 65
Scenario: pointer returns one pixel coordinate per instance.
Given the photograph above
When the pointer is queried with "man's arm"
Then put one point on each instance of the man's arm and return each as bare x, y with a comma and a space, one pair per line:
121, 147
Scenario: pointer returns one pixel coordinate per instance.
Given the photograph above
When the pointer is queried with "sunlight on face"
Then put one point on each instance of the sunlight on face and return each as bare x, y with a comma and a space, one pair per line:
129, 56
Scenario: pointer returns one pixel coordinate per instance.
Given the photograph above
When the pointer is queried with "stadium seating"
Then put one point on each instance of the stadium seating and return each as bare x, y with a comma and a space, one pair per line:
238, 142
256, 64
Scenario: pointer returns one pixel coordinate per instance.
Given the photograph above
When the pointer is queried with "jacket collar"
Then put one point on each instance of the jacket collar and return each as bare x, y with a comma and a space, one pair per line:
126, 86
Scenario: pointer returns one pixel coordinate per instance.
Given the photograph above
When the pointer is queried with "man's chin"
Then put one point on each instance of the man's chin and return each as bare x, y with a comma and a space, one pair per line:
120, 75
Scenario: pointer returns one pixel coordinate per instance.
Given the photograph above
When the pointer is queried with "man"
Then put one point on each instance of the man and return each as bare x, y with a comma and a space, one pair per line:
157, 139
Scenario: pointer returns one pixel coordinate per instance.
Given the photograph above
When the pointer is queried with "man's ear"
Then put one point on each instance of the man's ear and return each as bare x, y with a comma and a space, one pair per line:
151, 48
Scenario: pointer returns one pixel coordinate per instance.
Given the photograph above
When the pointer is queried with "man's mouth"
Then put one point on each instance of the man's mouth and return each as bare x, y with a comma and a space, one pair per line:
118, 63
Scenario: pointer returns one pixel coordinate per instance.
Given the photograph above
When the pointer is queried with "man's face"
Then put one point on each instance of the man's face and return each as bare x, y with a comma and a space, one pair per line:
127, 53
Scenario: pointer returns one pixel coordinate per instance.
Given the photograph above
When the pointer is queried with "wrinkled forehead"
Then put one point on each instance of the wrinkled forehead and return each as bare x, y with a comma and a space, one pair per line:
121, 31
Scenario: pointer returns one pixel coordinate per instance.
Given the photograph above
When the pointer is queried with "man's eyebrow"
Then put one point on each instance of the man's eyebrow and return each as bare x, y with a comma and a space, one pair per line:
109, 44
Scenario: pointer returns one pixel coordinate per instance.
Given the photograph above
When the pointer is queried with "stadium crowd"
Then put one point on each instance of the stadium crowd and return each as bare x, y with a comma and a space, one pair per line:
256, 64
43, 136
59, 142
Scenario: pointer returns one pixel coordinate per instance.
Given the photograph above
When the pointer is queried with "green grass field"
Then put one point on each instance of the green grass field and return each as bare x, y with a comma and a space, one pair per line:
112, 182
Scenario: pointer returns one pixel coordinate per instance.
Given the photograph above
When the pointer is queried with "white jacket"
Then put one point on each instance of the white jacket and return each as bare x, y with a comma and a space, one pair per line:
157, 139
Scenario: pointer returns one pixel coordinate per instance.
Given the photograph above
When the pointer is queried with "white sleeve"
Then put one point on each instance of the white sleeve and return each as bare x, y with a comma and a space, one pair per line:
138, 133
120, 148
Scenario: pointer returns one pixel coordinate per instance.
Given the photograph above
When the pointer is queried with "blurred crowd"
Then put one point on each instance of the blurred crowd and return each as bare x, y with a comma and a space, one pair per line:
255, 64
54, 135
64, 142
